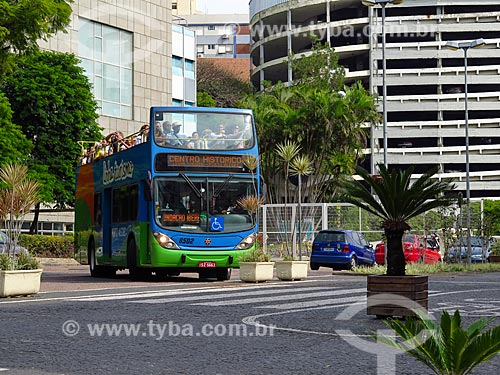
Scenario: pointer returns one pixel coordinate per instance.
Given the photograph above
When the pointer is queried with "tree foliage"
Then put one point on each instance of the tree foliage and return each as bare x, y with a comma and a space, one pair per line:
219, 84
204, 99
52, 101
14, 147
319, 112
395, 200
24, 22
492, 215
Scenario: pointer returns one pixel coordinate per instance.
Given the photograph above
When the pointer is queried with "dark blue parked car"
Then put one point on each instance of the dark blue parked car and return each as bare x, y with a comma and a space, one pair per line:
341, 249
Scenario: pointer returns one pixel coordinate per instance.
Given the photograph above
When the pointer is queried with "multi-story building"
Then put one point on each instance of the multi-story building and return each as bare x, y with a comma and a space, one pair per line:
126, 50
135, 58
184, 7
424, 80
183, 66
220, 35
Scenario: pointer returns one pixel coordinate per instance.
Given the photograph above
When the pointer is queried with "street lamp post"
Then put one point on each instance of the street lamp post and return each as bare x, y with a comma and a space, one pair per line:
383, 4
465, 46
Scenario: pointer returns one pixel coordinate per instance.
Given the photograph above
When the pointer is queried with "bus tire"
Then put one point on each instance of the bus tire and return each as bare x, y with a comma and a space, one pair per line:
135, 273
95, 270
223, 274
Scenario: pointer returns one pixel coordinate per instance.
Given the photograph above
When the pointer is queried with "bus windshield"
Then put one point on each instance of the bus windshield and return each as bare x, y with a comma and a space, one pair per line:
187, 204
207, 131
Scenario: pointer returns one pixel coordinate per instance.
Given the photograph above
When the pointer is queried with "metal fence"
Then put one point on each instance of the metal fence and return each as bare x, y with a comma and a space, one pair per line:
282, 228
281, 225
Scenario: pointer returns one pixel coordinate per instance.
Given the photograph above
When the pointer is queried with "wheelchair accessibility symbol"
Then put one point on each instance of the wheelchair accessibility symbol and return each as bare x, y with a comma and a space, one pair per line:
216, 224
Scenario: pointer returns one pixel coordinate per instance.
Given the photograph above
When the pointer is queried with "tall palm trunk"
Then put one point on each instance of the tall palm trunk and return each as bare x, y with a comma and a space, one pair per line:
394, 250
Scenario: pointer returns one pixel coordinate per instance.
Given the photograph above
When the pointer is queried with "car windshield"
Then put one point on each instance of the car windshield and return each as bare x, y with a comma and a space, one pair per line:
330, 237
474, 241
408, 238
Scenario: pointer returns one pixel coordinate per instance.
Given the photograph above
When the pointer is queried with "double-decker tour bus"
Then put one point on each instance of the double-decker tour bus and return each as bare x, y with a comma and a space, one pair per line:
168, 198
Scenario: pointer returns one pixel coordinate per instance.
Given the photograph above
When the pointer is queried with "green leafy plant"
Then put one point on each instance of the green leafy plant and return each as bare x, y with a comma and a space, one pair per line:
257, 254
22, 261
445, 347
495, 249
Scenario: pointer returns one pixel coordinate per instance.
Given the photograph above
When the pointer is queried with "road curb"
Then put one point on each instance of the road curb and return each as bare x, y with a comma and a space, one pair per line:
57, 261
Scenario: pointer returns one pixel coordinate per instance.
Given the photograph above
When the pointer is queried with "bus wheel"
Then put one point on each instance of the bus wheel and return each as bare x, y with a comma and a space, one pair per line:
135, 273
95, 270
223, 274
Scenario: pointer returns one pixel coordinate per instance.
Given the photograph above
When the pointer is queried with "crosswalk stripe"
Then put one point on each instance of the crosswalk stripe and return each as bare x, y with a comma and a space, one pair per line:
314, 303
233, 294
136, 295
283, 297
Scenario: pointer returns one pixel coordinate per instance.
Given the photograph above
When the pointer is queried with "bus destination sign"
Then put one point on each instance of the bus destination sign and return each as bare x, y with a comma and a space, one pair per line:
170, 162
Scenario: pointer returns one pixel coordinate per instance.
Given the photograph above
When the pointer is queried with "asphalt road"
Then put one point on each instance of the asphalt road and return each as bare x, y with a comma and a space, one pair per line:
80, 325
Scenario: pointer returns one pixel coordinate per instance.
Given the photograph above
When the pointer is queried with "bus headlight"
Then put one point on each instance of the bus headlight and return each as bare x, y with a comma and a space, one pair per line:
247, 242
165, 241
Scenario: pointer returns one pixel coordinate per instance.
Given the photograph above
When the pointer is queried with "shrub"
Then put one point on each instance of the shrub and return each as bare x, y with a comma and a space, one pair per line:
18, 262
48, 246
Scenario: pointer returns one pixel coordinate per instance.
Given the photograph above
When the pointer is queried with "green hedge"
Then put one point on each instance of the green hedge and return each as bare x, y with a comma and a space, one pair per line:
48, 246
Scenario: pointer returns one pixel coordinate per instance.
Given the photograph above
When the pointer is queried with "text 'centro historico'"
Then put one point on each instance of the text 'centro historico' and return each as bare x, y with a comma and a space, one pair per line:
213, 161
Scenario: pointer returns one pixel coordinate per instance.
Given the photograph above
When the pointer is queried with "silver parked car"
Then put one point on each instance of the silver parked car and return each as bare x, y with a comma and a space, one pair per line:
480, 250
3, 245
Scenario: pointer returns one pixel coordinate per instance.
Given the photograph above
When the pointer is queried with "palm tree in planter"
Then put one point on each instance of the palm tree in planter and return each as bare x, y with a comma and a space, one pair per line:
19, 273
293, 267
255, 264
396, 200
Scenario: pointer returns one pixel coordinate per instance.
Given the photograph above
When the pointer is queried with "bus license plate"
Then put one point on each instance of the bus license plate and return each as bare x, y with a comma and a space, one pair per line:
206, 265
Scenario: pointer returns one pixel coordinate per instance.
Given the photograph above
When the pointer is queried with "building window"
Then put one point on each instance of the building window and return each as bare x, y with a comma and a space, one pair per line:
189, 69
211, 46
176, 103
211, 27
106, 57
177, 66
174, 5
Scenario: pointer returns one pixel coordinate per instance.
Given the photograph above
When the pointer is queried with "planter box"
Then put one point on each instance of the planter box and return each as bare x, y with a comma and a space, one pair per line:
494, 258
255, 272
292, 270
19, 283
396, 295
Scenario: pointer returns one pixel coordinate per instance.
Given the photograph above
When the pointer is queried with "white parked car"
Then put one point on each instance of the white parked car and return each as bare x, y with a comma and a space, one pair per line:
3, 245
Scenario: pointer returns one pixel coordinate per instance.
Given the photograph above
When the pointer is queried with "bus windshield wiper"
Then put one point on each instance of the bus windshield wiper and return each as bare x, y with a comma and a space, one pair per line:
224, 184
192, 185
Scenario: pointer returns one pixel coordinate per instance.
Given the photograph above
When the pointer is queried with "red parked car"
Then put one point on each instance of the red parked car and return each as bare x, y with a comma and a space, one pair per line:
416, 249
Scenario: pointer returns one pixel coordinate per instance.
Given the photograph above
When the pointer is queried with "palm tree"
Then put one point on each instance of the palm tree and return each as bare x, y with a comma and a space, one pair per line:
395, 200
18, 193
287, 151
445, 347
301, 166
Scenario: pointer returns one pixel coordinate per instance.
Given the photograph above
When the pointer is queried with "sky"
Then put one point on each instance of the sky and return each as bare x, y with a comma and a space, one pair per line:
223, 6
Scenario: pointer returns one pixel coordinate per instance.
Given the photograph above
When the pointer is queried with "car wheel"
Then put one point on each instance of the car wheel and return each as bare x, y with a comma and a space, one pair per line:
314, 266
353, 263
